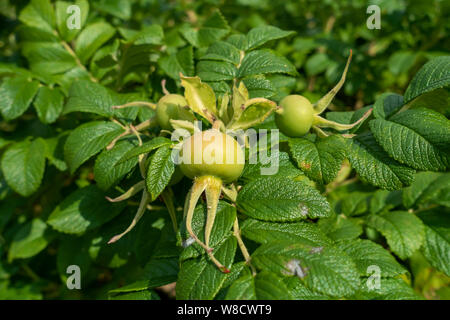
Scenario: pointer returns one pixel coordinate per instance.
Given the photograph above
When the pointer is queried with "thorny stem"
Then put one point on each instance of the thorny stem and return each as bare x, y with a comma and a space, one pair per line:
237, 234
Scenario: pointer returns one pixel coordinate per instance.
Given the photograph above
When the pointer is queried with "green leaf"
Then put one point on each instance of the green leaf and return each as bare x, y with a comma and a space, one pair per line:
216, 70
146, 147
317, 63
426, 185
159, 272
264, 286
49, 104
92, 38
107, 171
159, 172
300, 292
339, 227
404, 232
433, 75
256, 111
200, 279
54, 151
222, 51
221, 231
30, 239
118, 8
389, 289
87, 140
419, 138
320, 161
152, 34
264, 61
259, 87
181, 62
62, 17
436, 246
327, 271
213, 29
285, 168
39, 14
200, 97
387, 105
16, 95
260, 35
402, 61
281, 199
82, 210
375, 166
135, 295
23, 166
48, 58
366, 253
86, 96
385, 200
267, 232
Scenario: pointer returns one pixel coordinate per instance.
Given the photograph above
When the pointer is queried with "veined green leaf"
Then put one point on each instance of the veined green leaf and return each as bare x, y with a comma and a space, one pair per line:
23, 166
87, 140
16, 95
160, 171
49, 104
91, 38
387, 105
267, 232
366, 253
404, 232
320, 160
107, 171
39, 14
216, 70
146, 147
264, 61
327, 271
200, 97
82, 210
199, 278
221, 231
433, 75
260, 35
264, 286
30, 239
375, 166
436, 246
419, 138
280, 199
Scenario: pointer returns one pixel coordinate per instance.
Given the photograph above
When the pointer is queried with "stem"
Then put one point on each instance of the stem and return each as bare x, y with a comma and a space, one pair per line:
237, 234
129, 193
136, 104
137, 217
167, 196
77, 60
